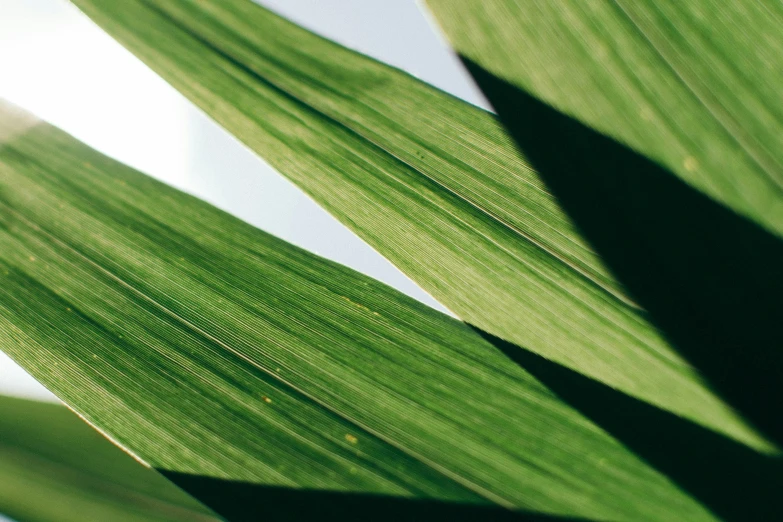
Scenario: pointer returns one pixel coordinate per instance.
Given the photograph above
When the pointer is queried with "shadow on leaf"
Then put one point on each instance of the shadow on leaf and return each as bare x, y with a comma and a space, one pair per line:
711, 280
245, 502
732, 480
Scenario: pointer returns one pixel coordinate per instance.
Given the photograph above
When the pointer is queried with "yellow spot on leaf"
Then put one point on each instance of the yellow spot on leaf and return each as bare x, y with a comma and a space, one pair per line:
356, 304
690, 164
266, 399
350, 438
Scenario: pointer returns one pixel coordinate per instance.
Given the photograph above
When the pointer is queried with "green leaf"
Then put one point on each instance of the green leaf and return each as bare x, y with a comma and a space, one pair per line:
431, 182
214, 352
658, 126
53, 467
692, 86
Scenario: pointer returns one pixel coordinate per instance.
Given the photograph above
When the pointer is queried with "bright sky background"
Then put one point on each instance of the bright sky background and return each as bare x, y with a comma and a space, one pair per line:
60, 66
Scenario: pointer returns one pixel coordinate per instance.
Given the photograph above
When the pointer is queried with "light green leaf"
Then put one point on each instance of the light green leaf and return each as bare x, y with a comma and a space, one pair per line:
54, 468
432, 183
659, 127
692, 85
212, 350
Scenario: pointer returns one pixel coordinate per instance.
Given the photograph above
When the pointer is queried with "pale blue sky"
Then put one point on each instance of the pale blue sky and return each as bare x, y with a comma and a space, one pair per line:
56, 63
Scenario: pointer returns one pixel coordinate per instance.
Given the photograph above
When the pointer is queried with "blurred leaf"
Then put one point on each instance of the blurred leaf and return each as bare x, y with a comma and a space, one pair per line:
659, 127
53, 467
215, 352
432, 183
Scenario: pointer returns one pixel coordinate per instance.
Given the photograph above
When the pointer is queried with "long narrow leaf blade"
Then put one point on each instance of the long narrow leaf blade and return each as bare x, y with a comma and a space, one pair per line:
432, 183
210, 349
659, 126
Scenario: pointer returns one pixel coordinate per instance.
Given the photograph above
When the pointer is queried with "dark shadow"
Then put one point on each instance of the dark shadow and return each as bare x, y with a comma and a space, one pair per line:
711, 280
732, 480
245, 502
